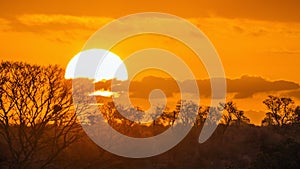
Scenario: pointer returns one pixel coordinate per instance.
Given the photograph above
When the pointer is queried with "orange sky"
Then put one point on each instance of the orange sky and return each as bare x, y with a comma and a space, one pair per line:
252, 37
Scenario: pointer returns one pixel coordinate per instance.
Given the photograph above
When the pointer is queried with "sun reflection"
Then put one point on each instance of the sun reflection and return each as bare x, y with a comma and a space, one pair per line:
104, 93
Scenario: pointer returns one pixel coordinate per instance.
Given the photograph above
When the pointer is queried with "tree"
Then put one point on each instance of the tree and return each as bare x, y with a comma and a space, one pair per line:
297, 114
229, 109
169, 117
231, 115
37, 120
202, 115
187, 112
281, 111
241, 118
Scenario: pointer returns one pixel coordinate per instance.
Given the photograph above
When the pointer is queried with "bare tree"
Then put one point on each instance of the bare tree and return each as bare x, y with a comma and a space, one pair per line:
232, 115
37, 121
281, 111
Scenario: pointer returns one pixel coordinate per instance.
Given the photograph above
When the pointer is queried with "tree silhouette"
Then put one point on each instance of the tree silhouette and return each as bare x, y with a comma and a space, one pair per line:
281, 111
297, 114
241, 118
171, 116
37, 120
231, 115
202, 115
186, 111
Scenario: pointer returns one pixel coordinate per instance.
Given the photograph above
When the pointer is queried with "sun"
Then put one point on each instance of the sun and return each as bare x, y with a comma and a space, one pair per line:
96, 64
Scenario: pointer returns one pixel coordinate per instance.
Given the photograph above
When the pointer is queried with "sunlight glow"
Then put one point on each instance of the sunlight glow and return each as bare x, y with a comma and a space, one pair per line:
104, 93
97, 64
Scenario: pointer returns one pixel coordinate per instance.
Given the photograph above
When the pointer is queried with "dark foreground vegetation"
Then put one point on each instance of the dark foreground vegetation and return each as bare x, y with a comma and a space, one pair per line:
38, 129
238, 147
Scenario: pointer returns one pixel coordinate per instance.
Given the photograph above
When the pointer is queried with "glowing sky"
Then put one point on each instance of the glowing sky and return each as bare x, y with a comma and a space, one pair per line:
252, 37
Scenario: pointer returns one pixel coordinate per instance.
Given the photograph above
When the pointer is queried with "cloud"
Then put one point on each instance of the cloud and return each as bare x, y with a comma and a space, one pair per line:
243, 87
247, 86
142, 89
64, 29
62, 20
232, 28
217, 25
250, 27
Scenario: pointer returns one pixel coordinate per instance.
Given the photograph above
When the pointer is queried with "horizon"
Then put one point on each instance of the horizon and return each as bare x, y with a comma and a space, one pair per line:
150, 84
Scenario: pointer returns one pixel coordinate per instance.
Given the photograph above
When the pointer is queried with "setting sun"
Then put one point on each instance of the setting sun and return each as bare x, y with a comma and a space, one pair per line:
97, 64
126, 84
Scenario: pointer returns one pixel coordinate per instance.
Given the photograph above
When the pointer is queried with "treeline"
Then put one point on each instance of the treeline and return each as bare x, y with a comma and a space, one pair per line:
281, 111
39, 129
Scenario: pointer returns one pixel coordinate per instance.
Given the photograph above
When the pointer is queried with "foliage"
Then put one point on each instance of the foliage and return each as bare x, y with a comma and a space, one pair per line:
231, 115
281, 111
37, 121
